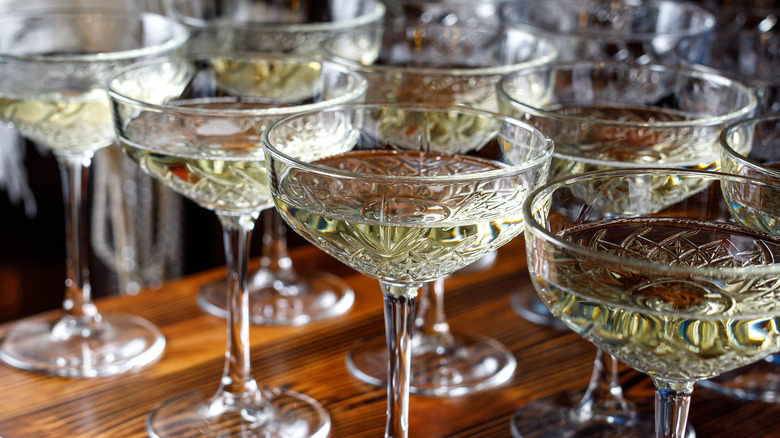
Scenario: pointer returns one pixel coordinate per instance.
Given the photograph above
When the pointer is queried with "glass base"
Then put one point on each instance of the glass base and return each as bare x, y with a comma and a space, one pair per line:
285, 414
468, 365
756, 382
553, 418
304, 298
64, 346
527, 304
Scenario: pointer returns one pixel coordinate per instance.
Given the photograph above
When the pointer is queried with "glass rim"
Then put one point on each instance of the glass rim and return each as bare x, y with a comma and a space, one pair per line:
708, 19
546, 44
361, 85
179, 34
726, 147
752, 82
546, 190
545, 154
219, 23
691, 71
448, 2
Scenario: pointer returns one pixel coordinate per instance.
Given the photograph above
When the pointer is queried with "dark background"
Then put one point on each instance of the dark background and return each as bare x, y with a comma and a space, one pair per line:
32, 249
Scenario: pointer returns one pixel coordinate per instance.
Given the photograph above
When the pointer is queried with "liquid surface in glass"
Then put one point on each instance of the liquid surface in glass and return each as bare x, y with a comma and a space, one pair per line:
403, 232
675, 328
65, 120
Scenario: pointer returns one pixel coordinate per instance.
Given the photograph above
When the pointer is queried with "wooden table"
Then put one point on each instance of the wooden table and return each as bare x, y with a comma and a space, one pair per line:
310, 359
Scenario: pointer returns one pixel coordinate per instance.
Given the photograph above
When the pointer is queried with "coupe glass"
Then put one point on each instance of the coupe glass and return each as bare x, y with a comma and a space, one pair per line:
396, 192
53, 68
604, 115
656, 267
752, 148
449, 12
638, 31
746, 47
644, 31
278, 294
434, 63
195, 123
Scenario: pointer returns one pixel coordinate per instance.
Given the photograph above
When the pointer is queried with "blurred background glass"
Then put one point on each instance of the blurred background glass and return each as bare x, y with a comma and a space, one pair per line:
745, 46
630, 30
137, 232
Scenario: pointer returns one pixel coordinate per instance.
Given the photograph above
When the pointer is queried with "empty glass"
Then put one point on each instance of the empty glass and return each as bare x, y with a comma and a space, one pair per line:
745, 46
448, 13
644, 31
412, 61
53, 68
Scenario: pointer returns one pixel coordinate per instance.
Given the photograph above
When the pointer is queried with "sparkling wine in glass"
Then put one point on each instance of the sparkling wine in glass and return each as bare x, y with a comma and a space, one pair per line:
413, 61
195, 123
268, 25
403, 201
642, 31
278, 293
681, 292
751, 148
608, 115
53, 67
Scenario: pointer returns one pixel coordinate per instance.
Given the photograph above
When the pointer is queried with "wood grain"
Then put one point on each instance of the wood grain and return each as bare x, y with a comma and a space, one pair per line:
310, 359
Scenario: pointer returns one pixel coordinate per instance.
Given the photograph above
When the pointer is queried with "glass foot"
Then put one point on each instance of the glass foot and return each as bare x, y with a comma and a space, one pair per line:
294, 300
468, 365
284, 414
527, 304
554, 418
757, 382
64, 346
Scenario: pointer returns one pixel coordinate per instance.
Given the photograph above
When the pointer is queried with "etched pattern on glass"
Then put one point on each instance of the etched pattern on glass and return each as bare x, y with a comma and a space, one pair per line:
755, 153
671, 327
225, 171
615, 30
400, 230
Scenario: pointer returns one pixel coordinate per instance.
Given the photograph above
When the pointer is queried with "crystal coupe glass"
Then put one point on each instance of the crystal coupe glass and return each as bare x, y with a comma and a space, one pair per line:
278, 293
680, 288
752, 148
195, 123
644, 31
392, 191
446, 64
604, 115
745, 46
53, 68
640, 31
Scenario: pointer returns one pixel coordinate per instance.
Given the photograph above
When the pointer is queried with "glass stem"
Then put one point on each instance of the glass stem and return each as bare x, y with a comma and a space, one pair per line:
399, 318
237, 382
74, 171
274, 256
432, 323
604, 396
672, 401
